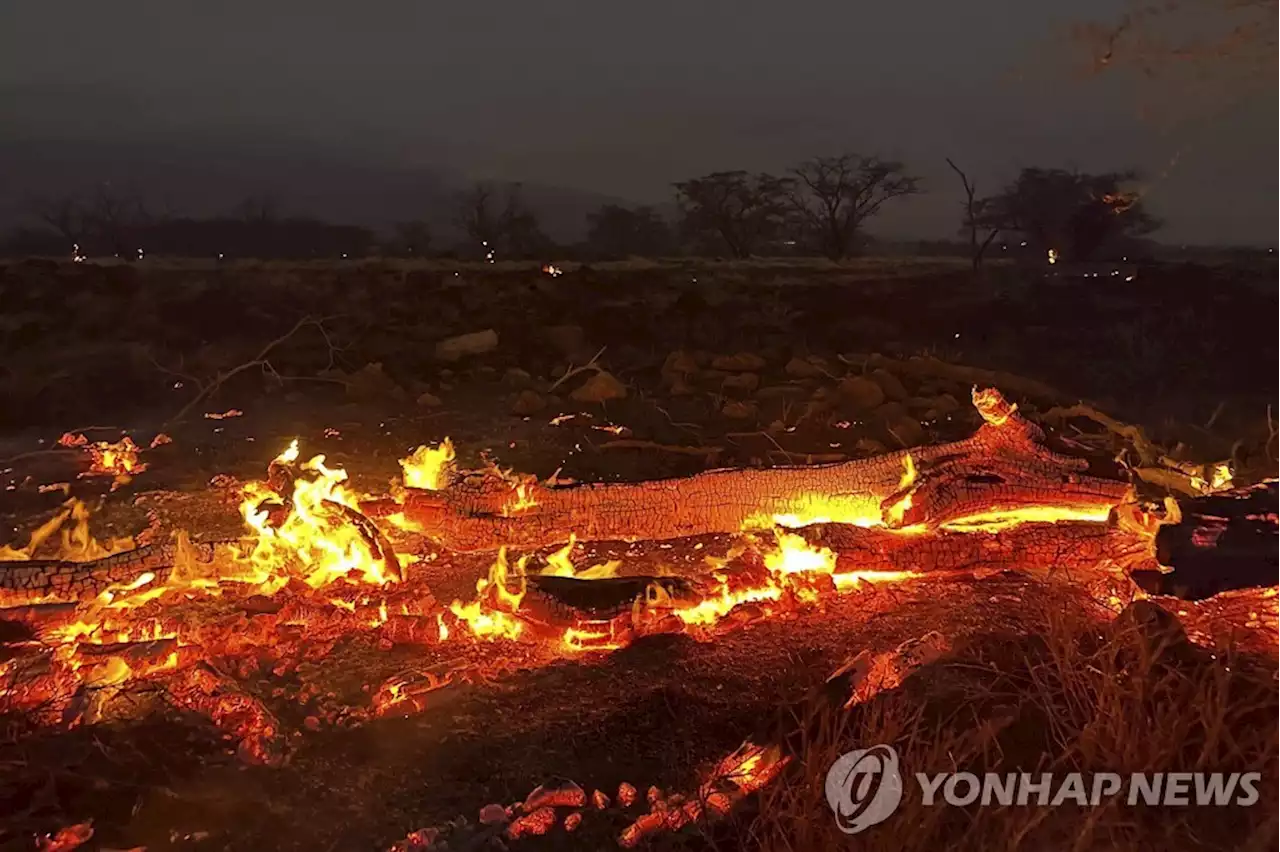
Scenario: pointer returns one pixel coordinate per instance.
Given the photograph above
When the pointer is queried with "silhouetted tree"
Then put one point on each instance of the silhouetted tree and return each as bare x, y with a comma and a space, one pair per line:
115, 217
744, 212
618, 232
1072, 213
412, 238
835, 196
520, 234
971, 221
475, 216
67, 215
257, 208
504, 226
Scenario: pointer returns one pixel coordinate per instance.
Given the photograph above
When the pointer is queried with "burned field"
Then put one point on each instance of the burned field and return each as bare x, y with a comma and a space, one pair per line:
332, 557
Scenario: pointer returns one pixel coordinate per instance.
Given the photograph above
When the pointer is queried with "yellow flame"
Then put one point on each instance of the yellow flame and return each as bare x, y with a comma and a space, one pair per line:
429, 467
492, 614
560, 565
75, 543
997, 519
315, 535
522, 500
290, 454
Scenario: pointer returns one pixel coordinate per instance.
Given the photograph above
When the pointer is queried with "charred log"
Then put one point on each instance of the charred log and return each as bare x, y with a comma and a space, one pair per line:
1066, 550
64, 581
1229, 540
605, 597
1002, 468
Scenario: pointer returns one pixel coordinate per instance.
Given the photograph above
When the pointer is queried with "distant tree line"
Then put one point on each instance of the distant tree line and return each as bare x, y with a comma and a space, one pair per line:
820, 207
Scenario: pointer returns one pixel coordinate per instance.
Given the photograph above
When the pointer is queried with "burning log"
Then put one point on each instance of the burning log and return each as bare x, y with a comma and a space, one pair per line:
1064, 549
604, 597
203, 689
113, 663
999, 472
57, 580
1228, 540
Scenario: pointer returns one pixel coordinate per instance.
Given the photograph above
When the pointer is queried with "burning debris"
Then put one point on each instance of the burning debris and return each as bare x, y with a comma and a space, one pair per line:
321, 564
564, 806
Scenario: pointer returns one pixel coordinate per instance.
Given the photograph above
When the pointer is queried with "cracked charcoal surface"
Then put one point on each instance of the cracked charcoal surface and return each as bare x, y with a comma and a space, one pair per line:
56, 580
1000, 467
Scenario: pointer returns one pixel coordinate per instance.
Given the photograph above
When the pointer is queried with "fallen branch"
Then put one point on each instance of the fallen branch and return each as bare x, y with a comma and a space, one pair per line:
1148, 452
576, 371
924, 366
260, 361
637, 444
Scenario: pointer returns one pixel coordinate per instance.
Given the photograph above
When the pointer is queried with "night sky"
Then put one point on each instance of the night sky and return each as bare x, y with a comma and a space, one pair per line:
623, 99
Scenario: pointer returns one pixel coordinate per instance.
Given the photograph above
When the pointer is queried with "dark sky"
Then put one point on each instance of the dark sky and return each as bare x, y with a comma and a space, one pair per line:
623, 99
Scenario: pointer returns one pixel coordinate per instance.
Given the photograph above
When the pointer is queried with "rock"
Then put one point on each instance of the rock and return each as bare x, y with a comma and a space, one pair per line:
369, 383
863, 393
493, 815
946, 404
889, 383
870, 446
713, 376
918, 404
780, 391
679, 387
802, 369
426, 399
739, 410
600, 388
565, 339
906, 430
528, 402
746, 382
680, 363
743, 362
517, 377
891, 411
475, 343
816, 408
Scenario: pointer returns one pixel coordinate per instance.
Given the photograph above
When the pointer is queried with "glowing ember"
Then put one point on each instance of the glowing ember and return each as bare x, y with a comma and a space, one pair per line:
997, 519
118, 459
859, 510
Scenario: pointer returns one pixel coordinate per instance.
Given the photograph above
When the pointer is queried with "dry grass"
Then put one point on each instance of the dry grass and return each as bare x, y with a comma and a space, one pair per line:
1128, 699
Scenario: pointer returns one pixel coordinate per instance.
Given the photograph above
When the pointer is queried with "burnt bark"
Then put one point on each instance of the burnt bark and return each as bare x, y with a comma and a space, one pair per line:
1003, 467
1223, 541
